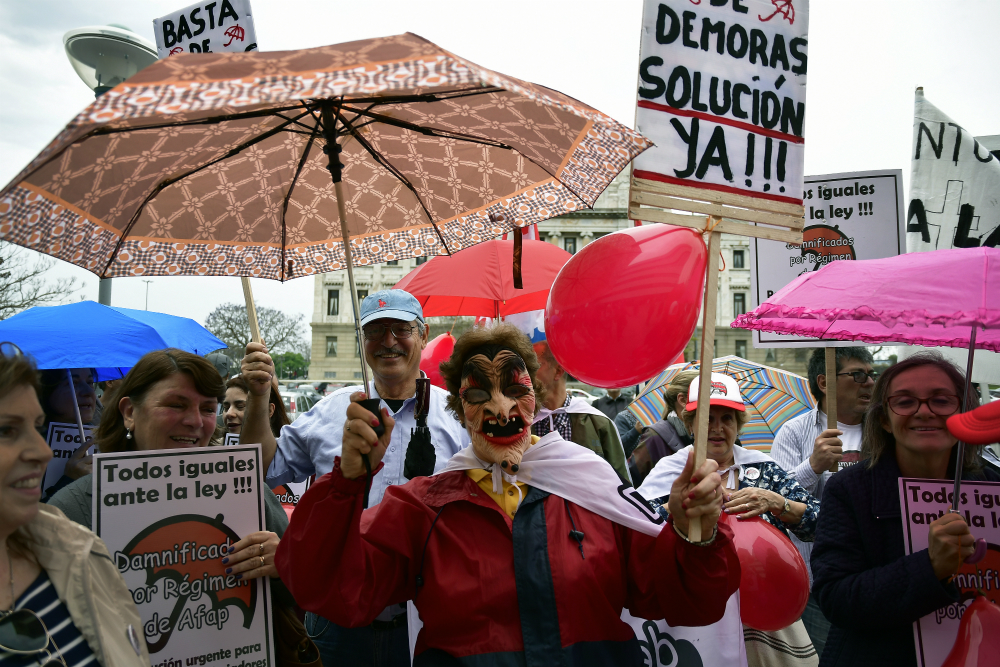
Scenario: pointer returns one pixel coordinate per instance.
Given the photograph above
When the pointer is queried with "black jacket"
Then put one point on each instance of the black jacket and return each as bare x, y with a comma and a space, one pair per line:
869, 590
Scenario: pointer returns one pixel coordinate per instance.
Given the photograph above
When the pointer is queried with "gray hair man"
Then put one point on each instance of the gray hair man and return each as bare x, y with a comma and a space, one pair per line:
807, 449
395, 334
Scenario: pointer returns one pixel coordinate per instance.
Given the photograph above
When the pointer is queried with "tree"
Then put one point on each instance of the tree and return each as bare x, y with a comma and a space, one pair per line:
281, 332
291, 365
23, 282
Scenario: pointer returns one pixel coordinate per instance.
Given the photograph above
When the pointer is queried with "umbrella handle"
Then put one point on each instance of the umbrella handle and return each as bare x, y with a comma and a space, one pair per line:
979, 553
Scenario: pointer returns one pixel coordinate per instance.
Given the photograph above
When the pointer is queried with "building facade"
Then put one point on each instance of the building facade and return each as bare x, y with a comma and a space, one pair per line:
335, 356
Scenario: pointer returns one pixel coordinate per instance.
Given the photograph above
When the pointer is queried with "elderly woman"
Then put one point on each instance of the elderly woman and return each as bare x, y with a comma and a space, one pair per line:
65, 604
869, 589
755, 486
521, 549
668, 435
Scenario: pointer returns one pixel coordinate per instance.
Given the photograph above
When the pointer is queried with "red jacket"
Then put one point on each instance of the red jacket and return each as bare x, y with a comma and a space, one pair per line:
491, 585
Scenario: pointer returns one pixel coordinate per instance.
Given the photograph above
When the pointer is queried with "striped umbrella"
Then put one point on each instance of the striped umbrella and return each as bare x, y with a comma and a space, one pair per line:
772, 397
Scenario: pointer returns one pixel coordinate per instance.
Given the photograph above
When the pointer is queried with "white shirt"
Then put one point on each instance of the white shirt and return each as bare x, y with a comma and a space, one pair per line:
308, 446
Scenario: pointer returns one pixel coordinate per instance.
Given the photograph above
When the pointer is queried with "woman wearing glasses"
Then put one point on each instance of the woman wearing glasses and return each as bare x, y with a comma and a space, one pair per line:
62, 601
871, 592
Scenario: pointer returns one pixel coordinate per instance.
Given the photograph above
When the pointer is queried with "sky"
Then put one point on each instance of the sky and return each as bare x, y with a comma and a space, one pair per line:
865, 59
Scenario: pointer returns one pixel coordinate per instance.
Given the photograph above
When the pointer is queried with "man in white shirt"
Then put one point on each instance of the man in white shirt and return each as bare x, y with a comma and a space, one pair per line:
392, 322
807, 449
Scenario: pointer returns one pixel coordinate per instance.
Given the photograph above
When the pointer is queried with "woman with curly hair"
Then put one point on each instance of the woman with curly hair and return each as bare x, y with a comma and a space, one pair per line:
522, 550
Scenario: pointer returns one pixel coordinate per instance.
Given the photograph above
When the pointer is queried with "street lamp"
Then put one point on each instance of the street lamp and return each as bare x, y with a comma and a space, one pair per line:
104, 56
147, 292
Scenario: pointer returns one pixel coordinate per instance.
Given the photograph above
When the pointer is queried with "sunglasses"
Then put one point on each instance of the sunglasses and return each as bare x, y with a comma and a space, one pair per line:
861, 376
24, 633
10, 350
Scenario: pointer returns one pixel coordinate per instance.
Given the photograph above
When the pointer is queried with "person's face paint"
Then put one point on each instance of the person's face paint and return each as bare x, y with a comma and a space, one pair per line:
498, 404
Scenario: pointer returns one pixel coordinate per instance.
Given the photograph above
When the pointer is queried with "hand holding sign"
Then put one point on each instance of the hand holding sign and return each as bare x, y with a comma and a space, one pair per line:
827, 451
360, 438
696, 494
950, 542
81, 463
253, 556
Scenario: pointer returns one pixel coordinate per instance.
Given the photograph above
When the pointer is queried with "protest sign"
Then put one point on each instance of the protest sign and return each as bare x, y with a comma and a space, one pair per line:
231, 439
850, 216
288, 494
206, 27
167, 517
720, 643
722, 93
923, 501
63, 439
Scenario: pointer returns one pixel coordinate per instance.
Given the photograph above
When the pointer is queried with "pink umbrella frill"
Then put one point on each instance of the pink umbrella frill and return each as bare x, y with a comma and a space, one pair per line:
928, 298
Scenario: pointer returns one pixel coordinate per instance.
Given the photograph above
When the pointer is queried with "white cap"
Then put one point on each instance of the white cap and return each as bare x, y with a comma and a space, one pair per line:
725, 392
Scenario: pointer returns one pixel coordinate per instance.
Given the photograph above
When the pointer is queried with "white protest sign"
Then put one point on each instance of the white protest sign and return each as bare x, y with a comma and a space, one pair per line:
63, 439
720, 643
288, 494
206, 27
167, 518
722, 93
923, 501
231, 439
857, 215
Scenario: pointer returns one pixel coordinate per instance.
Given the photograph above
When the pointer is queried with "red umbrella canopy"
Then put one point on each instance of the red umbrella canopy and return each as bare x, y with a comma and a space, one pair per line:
479, 281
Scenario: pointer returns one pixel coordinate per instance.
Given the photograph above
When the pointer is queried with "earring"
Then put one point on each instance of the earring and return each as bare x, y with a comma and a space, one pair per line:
128, 434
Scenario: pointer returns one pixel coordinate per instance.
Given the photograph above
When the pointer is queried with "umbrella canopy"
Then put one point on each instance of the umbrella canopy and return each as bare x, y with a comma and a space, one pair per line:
772, 396
480, 281
924, 298
89, 335
221, 163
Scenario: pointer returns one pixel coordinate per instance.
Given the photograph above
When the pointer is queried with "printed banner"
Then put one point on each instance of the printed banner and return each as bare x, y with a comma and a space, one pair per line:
206, 27
288, 494
168, 517
924, 501
720, 643
722, 93
856, 215
63, 439
953, 185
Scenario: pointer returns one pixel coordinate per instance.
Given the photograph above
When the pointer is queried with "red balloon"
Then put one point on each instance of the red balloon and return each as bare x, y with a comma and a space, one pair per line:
437, 350
978, 641
774, 584
623, 307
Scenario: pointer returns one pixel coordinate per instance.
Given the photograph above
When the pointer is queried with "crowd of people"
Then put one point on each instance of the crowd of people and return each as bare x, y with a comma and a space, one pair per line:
525, 545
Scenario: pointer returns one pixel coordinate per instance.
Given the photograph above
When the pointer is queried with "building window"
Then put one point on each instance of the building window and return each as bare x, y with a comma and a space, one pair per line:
421, 259
800, 354
362, 293
333, 302
770, 356
741, 348
357, 375
331, 346
738, 260
329, 375
392, 262
569, 245
739, 303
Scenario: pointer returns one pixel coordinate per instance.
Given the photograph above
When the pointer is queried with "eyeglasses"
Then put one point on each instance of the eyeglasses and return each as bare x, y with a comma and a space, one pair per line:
860, 376
23, 632
400, 330
10, 350
942, 405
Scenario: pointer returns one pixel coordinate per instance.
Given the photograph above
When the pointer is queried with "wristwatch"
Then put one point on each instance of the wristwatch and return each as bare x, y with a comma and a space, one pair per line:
786, 509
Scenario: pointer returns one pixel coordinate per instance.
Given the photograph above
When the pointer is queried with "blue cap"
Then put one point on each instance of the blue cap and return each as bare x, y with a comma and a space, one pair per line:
392, 303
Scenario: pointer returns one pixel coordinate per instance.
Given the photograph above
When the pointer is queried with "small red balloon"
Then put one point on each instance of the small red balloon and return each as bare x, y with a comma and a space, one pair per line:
437, 350
978, 641
774, 584
626, 305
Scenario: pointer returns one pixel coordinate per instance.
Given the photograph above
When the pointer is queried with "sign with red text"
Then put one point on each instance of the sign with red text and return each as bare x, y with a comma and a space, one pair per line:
850, 216
206, 27
168, 518
722, 94
922, 502
64, 440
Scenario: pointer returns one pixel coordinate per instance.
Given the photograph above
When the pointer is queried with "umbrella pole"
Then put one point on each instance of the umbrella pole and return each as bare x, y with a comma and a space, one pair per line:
76, 410
831, 392
707, 355
960, 446
344, 234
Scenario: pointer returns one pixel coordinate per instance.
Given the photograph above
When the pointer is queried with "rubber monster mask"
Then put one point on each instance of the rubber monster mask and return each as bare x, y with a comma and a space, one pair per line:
498, 404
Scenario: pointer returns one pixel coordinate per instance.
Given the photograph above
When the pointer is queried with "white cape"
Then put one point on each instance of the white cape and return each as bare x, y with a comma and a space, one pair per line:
659, 480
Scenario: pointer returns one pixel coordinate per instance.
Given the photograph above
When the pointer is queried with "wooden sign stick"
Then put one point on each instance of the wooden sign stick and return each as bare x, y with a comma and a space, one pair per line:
251, 311
707, 356
831, 393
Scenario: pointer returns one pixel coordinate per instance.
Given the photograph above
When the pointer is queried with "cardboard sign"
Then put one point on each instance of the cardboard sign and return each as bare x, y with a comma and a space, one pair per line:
206, 27
231, 439
291, 493
63, 439
722, 93
167, 517
857, 215
923, 501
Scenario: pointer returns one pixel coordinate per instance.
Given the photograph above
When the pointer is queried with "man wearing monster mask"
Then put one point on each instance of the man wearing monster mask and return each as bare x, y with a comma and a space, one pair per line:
523, 550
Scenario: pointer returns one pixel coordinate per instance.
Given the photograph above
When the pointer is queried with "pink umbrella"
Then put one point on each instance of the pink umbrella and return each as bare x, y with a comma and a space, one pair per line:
949, 298
925, 298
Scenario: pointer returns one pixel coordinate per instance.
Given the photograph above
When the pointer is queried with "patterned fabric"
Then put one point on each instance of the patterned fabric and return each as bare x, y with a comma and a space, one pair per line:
772, 397
42, 599
213, 164
560, 420
773, 478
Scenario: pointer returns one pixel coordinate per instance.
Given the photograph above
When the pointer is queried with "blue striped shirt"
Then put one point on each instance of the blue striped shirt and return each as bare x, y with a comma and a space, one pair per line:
42, 599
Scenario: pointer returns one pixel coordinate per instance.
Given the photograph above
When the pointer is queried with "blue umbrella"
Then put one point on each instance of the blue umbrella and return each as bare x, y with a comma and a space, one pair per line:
89, 335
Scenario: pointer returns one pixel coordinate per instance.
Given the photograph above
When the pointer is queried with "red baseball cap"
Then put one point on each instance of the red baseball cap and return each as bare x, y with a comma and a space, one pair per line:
724, 391
977, 427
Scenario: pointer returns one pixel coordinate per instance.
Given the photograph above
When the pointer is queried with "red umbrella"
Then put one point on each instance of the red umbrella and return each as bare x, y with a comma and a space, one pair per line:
479, 281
